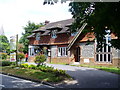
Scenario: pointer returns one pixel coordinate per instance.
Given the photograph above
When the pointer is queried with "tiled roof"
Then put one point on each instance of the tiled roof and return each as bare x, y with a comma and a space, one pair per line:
59, 24
63, 34
47, 40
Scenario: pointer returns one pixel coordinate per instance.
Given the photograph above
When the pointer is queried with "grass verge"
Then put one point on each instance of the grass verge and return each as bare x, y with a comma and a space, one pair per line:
108, 69
34, 74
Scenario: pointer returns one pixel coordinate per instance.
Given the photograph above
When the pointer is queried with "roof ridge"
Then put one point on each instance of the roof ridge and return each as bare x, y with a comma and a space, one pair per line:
76, 36
60, 21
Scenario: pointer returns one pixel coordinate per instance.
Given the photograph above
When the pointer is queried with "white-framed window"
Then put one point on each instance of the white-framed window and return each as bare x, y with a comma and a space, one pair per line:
53, 34
105, 54
37, 36
62, 51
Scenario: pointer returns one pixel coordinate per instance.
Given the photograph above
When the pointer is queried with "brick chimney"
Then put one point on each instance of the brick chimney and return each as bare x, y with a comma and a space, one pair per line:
46, 22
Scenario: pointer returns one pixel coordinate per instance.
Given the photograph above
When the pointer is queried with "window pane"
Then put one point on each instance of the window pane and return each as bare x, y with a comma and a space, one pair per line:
109, 49
61, 51
105, 57
109, 58
97, 57
100, 57
53, 34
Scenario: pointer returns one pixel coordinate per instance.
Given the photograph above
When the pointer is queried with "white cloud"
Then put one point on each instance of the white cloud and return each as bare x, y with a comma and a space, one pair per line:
14, 14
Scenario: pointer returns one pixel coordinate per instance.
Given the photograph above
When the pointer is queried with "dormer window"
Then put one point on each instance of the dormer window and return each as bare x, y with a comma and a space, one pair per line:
37, 36
73, 34
53, 34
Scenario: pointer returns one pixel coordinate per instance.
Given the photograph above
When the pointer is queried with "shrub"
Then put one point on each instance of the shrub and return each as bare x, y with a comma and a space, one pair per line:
31, 66
5, 63
3, 56
13, 63
39, 59
25, 65
59, 72
20, 56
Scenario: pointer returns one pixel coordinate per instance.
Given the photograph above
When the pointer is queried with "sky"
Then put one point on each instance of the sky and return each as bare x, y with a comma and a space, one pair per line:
15, 14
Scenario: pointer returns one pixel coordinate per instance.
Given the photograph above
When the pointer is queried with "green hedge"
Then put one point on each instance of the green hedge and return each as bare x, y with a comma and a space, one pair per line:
45, 68
3, 56
5, 63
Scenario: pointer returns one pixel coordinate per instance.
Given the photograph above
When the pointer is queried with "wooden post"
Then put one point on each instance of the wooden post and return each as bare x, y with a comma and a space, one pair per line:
16, 49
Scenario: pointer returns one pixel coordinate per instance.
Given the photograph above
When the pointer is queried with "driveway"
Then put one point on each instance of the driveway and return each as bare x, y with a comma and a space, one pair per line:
88, 77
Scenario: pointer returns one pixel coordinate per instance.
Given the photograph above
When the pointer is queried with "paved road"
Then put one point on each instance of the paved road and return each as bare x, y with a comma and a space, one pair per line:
13, 82
88, 77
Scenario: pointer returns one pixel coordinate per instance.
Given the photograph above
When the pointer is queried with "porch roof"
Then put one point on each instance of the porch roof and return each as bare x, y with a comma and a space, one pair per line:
76, 36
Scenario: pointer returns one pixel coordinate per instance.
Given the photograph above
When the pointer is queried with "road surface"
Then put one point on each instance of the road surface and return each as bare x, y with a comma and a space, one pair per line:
13, 82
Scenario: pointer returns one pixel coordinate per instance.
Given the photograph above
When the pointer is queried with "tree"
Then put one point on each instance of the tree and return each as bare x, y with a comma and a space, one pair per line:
28, 31
104, 16
4, 44
20, 57
20, 47
99, 16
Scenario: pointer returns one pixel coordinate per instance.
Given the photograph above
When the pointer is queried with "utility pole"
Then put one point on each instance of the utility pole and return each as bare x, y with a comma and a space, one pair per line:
17, 49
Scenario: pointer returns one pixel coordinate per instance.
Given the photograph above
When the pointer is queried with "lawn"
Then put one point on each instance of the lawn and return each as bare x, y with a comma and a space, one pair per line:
108, 69
34, 74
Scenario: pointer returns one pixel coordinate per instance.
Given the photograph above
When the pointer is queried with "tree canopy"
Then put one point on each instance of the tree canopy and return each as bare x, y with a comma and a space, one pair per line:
4, 44
28, 31
99, 16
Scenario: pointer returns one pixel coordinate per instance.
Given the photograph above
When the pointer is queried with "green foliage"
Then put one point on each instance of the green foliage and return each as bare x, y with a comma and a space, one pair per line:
20, 56
13, 63
4, 44
20, 47
34, 74
108, 69
105, 14
40, 59
45, 68
32, 66
5, 63
25, 65
28, 31
3, 56
51, 2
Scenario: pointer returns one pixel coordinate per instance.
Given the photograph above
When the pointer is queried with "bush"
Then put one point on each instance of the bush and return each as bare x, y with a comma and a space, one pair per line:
5, 63
20, 56
25, 65
13, 63
31, 66
3, 56
39, 59
45, 68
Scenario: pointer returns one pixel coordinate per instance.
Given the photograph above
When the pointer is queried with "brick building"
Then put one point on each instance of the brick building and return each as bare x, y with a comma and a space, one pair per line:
61, 46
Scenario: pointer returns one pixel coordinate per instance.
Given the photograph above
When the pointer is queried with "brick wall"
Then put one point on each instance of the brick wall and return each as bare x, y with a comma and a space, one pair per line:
115, 62
65, 60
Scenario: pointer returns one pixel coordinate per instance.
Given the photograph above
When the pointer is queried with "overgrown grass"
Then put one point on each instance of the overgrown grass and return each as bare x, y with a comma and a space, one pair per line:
108, 69
34, 74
